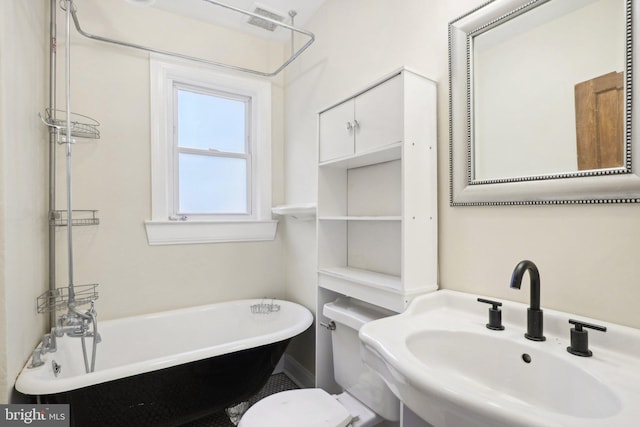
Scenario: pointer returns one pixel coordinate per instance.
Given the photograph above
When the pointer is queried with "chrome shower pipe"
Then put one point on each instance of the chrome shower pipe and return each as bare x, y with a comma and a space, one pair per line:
52, 155
69, 144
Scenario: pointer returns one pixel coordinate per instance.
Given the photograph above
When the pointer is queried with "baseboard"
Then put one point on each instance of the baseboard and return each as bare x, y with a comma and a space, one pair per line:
298, 373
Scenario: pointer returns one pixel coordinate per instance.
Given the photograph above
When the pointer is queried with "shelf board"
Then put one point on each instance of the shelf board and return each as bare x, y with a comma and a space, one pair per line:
365, 277
360, 218
385, 154
301, 211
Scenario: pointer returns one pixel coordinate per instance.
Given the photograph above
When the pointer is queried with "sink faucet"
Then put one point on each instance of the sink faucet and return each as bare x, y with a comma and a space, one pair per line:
534, 314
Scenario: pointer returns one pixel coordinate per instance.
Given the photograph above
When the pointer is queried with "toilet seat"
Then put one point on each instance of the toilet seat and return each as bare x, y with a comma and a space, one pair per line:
285, 409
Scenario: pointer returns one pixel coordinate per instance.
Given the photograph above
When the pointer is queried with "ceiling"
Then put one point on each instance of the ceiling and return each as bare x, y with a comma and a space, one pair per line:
217, 15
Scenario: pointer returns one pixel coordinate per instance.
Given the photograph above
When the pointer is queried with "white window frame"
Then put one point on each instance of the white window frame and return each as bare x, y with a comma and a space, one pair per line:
164, 228
247, 155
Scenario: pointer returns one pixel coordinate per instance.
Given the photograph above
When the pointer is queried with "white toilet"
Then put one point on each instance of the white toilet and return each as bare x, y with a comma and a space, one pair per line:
366, 400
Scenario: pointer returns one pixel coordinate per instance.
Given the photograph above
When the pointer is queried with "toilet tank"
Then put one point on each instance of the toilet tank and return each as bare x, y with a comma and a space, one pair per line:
349, 372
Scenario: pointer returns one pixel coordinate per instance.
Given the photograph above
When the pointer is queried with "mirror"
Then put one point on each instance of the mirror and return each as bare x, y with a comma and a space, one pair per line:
540, 103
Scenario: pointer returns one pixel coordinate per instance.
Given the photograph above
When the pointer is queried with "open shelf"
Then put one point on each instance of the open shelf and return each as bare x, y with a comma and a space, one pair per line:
60, 218
364, 277
81, 126
301, 211
360, 218
57, 299
380, 155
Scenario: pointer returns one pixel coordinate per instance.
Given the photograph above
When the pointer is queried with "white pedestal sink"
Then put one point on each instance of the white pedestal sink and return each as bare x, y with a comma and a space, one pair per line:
440, 359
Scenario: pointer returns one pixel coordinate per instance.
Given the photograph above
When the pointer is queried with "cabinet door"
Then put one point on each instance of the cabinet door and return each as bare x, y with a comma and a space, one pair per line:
379, 115
337, 132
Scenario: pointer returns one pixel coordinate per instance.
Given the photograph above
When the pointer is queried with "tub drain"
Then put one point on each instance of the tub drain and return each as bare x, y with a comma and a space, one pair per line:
56, 368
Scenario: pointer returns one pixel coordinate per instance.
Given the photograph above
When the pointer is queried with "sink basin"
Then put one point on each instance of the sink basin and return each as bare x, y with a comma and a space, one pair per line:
444, 364
508, 367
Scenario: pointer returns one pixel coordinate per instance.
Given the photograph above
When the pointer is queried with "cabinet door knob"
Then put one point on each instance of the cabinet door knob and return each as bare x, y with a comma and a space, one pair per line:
353, 126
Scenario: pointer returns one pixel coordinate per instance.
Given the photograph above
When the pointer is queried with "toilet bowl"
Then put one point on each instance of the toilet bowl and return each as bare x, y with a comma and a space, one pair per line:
366, 400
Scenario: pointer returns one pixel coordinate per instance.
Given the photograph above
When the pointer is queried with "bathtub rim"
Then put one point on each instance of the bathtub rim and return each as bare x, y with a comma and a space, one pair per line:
37, 381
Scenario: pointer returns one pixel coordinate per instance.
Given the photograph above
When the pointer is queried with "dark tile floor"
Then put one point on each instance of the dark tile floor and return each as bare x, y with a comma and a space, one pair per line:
276, 384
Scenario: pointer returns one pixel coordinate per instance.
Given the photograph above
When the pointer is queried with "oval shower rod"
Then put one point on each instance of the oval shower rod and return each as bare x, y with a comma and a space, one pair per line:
293, 56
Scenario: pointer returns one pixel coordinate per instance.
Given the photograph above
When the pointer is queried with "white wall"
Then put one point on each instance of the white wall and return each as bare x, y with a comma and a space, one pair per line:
586, 254
23, 191
111, 84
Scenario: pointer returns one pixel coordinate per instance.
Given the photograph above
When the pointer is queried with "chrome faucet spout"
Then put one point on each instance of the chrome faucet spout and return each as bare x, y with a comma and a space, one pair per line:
534, 313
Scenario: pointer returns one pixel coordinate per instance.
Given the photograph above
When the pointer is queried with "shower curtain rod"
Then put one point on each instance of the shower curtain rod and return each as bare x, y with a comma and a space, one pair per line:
206, 61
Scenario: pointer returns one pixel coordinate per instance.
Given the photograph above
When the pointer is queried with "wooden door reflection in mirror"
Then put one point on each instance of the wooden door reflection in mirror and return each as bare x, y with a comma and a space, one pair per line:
599, 122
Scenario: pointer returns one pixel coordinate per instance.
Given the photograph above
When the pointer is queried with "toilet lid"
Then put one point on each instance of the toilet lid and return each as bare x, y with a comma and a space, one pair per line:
311, 407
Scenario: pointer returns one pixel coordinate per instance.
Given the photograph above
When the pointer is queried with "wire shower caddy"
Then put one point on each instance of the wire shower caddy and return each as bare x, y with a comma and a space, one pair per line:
80, 217
57, 299
81, 126
265, 307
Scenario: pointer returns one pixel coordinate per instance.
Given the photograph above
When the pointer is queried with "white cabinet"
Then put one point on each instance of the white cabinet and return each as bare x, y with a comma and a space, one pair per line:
377, 193
366, 122
377, 204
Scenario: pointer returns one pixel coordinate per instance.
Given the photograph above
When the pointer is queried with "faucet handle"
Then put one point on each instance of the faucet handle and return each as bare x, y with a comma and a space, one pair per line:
495, 315
92, 310
580, 338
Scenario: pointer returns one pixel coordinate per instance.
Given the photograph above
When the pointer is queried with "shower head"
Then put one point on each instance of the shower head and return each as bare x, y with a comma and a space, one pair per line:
263, 23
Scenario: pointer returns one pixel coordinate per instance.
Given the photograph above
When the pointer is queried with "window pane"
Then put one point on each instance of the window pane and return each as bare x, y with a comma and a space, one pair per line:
212, 185
206, 121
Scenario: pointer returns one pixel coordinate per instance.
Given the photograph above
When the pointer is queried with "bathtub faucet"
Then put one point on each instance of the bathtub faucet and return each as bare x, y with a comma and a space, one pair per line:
74, 323
49, 343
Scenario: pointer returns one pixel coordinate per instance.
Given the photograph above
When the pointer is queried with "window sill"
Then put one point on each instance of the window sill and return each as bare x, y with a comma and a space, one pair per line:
195, 232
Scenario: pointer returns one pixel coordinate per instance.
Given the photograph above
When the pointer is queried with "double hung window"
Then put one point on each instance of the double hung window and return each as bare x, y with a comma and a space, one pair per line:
210, 156
212, 153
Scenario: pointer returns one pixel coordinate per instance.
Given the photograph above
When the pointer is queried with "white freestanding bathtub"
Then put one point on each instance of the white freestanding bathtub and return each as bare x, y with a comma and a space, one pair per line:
171, 367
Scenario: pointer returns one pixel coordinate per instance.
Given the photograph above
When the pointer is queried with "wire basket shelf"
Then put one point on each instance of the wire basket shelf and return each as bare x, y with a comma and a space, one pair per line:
57, 299
60, 218
265, 307
81, 126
